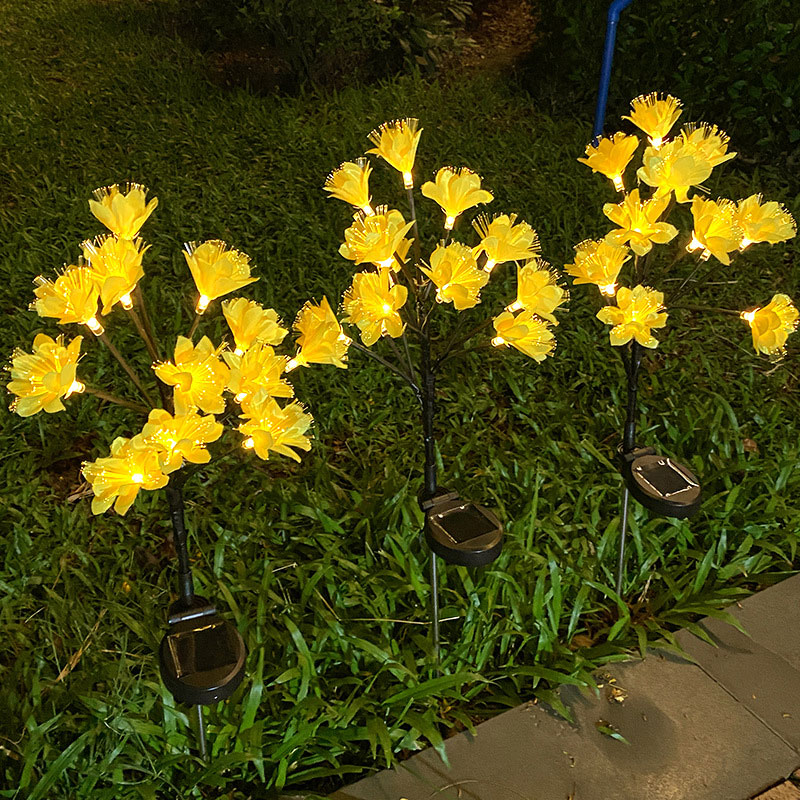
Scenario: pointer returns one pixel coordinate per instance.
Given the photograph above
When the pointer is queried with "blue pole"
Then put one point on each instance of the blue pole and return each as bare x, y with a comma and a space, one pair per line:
605, 72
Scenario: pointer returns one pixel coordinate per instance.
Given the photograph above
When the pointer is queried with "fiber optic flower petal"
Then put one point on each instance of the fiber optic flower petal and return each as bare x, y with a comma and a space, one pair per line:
373, 303
259, 368
116, 479
198, 375
251, 322
376, 237
456, 190
538, 290
71, 298
636, 313
677, 166
764, 222
639, 222
455, 273
503, 239
42, 378
526, 332
716, 228
708, 141
270, 428
772, 324
116, 266
122, 213
350, 182
611, 156
321, 339
217, 270
396, 142
655, 114
598, 262
179, 438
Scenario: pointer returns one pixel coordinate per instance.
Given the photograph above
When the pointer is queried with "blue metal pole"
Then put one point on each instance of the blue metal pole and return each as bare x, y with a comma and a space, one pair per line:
614, 11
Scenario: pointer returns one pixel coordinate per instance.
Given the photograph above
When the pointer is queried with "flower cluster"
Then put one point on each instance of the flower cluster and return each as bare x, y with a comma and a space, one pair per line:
670, 169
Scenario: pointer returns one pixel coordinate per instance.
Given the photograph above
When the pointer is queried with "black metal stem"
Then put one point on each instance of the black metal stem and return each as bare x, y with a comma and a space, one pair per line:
176, 507
632, 369
428, 411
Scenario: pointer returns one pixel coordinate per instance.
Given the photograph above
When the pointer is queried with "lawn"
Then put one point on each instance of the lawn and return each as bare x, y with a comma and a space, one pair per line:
321, 565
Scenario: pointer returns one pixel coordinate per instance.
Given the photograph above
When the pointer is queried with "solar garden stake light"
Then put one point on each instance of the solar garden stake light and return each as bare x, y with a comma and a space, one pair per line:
202, 655
724, 229
399, 300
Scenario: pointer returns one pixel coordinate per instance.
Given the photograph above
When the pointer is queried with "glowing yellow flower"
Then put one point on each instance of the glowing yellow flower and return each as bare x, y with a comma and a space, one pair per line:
217, 270
377, 238
708, 141
502, 240
198, 375
251, 322
41, 378
373, 303
635, 313
639, 222
396, 142
655, 115
764, 222
599, 262
716, 229
270, 428
526, 332
116, 266
611, 156
772, 324
123, 214
455, 273
183, 436
71, 298
350, 182
677, 166
538, 290
321, 339
456, 190
132, 465
259, 368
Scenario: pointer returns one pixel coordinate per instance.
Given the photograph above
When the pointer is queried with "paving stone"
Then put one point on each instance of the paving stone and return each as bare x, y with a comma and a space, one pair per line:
688, 739
786, 791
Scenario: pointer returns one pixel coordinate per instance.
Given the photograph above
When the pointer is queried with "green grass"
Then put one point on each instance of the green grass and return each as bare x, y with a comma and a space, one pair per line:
321, 565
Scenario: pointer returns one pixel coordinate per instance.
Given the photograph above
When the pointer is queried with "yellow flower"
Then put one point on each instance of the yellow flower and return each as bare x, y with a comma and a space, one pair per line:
71, 298
396, 142
635, 313
41, 378
321, 339
655, 115
716, 229
116, 266
456, 190
502, 240
598, 262
269, 427
251, 322
123, 214
611, 157
639, 222
258, 368
526, 332
455, 273
764, 222
772, 324
708, 141
377, 238
350, 182
538, 291
373, 303
217, 270
183, 436
132, 465
677, 166
198, 375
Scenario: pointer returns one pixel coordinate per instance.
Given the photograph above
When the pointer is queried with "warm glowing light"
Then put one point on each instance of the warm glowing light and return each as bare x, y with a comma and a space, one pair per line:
408, 180
127, 302
291, 364
238, 351
239, 397
367, 209
386, 308
76, 387
693, 245
515, 306
387, 262
249, 444
498, 341
489, 265
344, 338
656, 141
94, 326
609, 290
202, 303
748, 316
137, 477
618, 184
744, 243
449, 222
